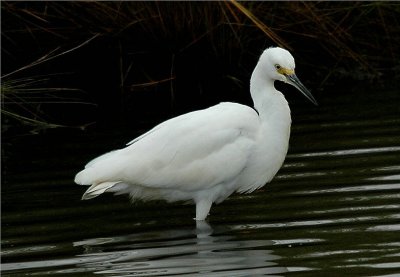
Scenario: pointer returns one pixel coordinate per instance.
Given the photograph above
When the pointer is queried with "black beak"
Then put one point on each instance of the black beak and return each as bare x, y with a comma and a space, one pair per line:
294, 81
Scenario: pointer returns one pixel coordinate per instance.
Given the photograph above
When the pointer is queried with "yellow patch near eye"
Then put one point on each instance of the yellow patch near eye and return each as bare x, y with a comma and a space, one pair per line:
285, 71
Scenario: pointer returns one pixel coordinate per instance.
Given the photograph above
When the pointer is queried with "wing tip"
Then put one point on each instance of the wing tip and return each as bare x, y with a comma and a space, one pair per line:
97, 189
88, 195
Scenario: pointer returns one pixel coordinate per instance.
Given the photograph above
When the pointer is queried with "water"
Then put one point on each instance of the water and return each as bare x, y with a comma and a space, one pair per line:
332, 210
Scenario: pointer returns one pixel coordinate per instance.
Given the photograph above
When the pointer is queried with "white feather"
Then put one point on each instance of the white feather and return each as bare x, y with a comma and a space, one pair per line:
204, 156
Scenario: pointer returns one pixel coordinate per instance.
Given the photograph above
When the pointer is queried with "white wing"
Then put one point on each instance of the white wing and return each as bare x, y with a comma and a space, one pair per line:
190, 152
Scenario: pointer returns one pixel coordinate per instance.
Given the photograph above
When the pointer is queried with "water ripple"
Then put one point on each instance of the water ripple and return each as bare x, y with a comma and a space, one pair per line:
348, 152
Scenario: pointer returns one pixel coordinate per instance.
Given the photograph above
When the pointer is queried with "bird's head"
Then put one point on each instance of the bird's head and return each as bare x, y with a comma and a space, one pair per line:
280, 66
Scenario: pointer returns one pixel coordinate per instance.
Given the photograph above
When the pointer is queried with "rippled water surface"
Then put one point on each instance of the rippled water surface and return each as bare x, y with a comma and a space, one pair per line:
332, 210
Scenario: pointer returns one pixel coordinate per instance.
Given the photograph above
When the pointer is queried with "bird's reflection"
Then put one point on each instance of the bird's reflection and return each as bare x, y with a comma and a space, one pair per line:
203, 229
198, 251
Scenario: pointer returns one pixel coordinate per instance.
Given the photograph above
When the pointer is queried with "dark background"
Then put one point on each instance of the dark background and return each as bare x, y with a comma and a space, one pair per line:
112, 64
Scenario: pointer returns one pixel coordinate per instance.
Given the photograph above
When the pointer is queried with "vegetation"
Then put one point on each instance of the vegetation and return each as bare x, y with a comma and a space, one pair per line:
117, 54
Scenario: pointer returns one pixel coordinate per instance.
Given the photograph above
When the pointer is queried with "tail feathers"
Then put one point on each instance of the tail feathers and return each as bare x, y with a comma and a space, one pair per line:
97, 189
86, 177
98, 169
101, 158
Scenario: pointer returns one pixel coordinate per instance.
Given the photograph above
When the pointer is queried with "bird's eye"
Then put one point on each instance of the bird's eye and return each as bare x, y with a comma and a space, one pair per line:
277, 67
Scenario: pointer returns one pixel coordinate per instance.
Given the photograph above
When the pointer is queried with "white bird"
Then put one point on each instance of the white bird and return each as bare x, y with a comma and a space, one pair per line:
204, 156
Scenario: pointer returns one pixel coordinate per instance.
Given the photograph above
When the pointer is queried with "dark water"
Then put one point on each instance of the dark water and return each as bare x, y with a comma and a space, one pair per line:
332, 210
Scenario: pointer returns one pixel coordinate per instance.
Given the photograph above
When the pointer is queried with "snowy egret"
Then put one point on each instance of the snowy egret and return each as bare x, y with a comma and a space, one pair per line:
204, 156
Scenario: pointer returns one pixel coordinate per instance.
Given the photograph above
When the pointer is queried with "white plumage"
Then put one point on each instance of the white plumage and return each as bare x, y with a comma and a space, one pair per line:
206, 155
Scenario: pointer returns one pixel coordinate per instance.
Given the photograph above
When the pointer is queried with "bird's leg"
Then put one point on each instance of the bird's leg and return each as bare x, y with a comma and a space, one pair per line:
203, 206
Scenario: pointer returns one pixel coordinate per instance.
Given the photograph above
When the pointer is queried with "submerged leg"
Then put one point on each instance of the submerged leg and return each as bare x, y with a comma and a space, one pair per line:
202, 208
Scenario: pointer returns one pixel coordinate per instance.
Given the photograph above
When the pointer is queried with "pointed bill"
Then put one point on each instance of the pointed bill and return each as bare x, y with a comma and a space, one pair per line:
294, 81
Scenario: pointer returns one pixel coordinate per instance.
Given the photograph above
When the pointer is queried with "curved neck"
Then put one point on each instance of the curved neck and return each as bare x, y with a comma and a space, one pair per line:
270, 104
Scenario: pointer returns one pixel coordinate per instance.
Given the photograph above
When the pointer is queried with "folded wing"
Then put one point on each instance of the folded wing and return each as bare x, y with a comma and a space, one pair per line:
191, 152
